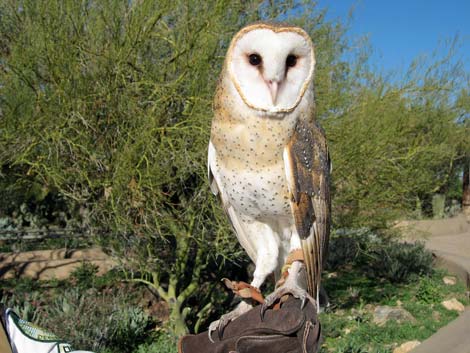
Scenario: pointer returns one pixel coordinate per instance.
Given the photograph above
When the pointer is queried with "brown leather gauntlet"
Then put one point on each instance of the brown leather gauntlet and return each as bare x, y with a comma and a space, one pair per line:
286, 330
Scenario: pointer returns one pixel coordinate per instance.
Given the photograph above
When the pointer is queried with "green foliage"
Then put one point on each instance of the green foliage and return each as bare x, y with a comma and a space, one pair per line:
25, 309
349, 326
395, 143
400, 262
84, 276
360, 282
379, 255
91, 321
428, 292
89, 318
163, 344
357, 346
102, 315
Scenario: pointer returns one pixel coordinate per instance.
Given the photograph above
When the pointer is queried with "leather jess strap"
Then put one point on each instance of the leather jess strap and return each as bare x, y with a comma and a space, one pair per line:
294, 255
244, 290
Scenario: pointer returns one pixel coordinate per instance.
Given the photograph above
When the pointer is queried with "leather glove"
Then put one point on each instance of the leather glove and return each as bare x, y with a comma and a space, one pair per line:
289, 329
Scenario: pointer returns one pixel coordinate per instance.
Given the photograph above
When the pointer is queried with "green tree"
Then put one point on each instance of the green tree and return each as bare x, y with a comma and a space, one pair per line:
397, 144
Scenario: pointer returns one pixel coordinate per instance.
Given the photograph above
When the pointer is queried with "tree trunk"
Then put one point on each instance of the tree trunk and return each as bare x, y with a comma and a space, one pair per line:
177, 318
466, 189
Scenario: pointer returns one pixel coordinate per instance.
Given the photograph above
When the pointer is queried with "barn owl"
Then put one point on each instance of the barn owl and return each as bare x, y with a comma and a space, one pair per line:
268, 159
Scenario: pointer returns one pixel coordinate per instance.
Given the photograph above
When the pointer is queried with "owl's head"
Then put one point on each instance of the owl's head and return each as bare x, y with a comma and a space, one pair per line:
271, 66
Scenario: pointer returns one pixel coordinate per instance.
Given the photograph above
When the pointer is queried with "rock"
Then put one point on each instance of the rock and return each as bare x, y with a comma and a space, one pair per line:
382, 314
407, 347
357, 312
453, 304
340, 312
450, 280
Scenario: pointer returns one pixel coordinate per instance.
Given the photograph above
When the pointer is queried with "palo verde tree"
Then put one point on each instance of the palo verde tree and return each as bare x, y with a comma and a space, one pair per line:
398, 143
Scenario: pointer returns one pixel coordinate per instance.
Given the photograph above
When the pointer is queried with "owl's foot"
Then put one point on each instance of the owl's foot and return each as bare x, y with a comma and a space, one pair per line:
292, 283
219, 325
279, 293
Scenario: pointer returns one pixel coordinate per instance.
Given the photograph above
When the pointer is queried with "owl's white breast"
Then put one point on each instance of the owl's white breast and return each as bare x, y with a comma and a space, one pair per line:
259, 193
250, 165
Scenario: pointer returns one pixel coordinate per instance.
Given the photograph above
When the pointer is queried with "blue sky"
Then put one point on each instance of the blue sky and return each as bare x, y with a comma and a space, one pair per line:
401, 30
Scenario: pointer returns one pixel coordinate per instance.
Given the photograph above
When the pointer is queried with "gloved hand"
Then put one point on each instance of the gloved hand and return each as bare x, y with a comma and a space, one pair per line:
288, 329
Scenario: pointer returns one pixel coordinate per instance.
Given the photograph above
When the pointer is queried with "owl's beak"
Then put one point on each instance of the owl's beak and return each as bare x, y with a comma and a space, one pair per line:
273, 88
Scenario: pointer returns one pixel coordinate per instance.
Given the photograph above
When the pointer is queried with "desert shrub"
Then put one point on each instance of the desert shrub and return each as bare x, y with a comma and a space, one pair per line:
345, 245
84, 276
379, 255
88, 319
121, 124
400, 262
94, 321
428, 292
25, 308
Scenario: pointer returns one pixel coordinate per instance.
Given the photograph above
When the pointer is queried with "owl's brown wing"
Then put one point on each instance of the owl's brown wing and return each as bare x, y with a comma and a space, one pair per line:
307, 166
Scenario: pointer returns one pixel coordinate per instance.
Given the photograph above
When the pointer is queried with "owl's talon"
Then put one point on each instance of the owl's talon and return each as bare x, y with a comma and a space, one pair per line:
303, 302
262, 312
219, 326
212, 328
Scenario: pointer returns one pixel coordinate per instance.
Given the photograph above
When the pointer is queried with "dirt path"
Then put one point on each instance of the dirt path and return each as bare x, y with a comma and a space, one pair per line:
449, 241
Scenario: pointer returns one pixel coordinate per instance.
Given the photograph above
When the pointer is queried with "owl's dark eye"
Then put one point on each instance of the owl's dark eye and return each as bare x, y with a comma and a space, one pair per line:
291, 60
255, 59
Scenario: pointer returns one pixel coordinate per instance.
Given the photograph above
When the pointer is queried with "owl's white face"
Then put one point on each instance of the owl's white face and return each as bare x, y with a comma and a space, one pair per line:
271, 69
